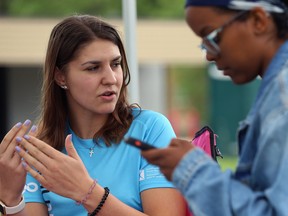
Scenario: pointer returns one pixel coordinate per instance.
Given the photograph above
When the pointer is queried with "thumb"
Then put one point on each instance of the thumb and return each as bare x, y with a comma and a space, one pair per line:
71, 151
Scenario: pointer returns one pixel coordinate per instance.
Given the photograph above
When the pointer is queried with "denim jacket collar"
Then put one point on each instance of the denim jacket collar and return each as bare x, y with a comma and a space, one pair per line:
271, 72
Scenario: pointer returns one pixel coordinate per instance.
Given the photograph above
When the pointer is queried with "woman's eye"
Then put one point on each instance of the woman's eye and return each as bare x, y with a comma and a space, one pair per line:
116, 64
217, 39
94, 68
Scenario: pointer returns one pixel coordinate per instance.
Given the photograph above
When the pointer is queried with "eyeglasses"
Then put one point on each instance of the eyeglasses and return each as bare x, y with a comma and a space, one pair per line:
210, 42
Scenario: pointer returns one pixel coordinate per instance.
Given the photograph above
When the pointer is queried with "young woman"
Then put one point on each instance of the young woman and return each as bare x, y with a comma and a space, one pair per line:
245, 39
85, 104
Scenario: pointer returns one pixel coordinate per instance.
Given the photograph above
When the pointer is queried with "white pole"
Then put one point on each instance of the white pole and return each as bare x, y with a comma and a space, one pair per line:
129, 12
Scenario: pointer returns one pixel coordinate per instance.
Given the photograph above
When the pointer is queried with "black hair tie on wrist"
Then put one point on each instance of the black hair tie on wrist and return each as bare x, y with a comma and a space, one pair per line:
98, 208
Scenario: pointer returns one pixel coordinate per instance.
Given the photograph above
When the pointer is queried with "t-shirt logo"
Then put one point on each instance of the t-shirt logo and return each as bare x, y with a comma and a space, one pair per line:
31, 187
142, 175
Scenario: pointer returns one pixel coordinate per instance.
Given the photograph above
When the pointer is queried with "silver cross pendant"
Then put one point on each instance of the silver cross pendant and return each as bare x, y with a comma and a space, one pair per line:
91, 152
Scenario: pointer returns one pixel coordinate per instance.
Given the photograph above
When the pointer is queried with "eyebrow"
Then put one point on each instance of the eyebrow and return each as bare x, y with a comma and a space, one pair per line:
98, 62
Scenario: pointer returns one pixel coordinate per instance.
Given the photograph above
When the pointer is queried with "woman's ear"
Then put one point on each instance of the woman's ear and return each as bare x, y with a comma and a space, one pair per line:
261, 21
60, 78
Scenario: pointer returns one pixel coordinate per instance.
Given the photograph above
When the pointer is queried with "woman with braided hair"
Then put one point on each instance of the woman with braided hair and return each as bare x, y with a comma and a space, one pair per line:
245, 39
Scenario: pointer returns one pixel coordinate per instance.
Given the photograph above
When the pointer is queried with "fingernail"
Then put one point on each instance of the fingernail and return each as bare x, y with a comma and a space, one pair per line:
18, 125
24, 164
18, 139
33, 128
27, 122
27, 137
17, 148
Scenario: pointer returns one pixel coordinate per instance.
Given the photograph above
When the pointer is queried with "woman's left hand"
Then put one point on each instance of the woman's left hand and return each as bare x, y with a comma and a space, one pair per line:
57, 172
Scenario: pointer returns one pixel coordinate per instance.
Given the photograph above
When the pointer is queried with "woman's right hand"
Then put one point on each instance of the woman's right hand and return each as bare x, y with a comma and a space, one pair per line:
13, 175
168, 158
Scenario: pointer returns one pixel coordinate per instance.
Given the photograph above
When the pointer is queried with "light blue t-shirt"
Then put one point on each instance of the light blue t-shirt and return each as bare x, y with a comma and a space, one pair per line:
119, 167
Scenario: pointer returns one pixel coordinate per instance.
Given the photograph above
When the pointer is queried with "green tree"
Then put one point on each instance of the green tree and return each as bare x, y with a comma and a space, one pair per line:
58, 8
3, 7
160, 9
106, 8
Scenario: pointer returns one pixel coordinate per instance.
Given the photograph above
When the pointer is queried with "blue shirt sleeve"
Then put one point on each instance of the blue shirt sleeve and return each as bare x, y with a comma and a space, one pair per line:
158, 132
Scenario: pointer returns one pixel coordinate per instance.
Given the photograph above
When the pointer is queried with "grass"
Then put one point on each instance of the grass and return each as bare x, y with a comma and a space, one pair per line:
228, 162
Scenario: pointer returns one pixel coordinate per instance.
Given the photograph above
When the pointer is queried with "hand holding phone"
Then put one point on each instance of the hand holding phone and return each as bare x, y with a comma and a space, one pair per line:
138, 143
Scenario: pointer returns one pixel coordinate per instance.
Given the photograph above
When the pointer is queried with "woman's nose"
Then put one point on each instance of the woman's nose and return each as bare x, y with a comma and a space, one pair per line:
109, 76
210, 57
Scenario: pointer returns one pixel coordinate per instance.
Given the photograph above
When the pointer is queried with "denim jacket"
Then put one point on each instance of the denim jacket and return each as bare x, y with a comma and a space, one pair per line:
259, 185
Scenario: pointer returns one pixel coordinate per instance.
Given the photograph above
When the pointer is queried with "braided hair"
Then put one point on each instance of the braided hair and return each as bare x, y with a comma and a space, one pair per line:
281, 19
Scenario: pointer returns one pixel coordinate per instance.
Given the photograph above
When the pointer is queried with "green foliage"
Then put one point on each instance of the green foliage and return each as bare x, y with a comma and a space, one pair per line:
105, 8
54, 8
228, 163
160, 9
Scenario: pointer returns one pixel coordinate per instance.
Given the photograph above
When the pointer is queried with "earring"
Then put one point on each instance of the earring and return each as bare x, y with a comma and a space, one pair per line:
64, 87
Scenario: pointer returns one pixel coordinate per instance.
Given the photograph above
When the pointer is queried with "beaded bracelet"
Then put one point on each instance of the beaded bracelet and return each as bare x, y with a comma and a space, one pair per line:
88, 194
98, 208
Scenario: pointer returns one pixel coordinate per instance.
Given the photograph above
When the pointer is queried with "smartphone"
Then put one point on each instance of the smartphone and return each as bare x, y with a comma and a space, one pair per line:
138, 143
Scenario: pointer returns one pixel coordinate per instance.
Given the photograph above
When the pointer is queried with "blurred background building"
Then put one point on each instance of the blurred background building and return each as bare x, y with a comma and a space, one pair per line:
174, 77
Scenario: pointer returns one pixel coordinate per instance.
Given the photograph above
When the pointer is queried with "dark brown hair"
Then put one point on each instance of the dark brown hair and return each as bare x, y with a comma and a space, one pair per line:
66, 39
